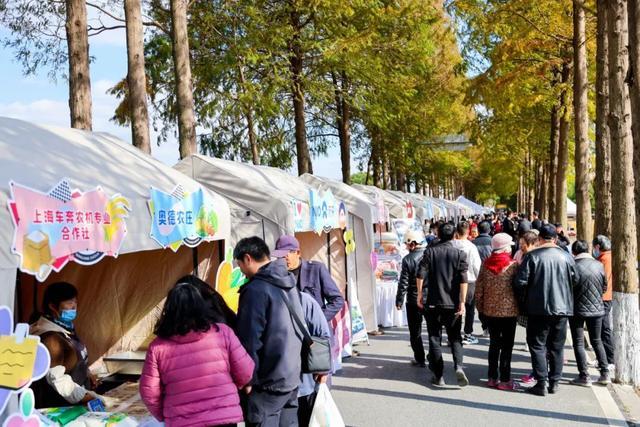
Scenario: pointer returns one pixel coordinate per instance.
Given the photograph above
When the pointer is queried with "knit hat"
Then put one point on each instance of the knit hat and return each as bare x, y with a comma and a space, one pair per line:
501, 241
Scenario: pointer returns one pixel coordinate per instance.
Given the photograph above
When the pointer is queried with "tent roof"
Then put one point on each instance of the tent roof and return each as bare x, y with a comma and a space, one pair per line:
394, 204
477, 209
572, 208
246, 186
40, 156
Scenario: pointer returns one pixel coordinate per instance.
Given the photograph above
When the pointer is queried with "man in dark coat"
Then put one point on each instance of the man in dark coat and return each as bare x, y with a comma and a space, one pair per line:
536, 224
483, 241
588, 308
444, 270
266, 330
544, 283
311, 277
414, 241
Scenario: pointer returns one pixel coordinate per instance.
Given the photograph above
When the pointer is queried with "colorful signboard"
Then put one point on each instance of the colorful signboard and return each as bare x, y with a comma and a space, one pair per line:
408, 210
179, 218
24, 358
54, 228
297, 208
229, 280
326, 212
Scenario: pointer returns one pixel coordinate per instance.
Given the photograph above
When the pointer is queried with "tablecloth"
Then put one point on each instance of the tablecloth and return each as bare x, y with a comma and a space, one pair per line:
388, 315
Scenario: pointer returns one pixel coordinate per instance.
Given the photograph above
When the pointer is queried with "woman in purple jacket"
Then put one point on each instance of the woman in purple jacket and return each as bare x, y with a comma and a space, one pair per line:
195, 366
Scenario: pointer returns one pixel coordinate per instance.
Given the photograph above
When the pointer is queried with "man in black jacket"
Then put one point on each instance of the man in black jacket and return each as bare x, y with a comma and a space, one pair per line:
588, 308
509, 225
444, 268
414, 241
536, 224
545, 282
266, 330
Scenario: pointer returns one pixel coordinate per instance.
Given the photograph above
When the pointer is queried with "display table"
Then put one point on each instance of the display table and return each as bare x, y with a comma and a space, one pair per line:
388, 315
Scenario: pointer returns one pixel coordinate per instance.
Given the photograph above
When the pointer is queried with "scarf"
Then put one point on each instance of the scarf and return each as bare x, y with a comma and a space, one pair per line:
497, 262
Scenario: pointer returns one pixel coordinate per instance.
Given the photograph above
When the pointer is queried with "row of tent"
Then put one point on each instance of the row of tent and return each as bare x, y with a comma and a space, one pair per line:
54, 181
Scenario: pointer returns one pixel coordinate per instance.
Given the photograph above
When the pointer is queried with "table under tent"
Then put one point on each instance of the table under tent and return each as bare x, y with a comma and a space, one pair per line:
269, 203
362, 213
94, 211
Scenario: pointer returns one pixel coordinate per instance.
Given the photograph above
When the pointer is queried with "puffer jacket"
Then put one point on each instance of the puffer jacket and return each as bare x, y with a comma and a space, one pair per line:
592, 284
193, 380
494, 292
545, 281
407, 283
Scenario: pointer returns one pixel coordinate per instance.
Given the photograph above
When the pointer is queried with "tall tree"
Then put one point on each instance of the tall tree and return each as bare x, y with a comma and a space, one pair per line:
581, 123
136, 76
563, 147
78, 56
184, 85
634, 93
626, 328
603, 143
553, 163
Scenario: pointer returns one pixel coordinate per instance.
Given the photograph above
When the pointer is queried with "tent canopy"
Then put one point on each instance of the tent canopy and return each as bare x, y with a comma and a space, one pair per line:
395, 205
572, 208
477, 209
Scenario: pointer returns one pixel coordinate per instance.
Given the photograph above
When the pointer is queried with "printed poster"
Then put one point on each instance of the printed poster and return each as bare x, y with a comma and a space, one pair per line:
326, 213
179, 218
54, 228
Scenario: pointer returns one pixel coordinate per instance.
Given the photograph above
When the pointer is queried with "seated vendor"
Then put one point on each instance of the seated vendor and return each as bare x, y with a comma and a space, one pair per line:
69, 380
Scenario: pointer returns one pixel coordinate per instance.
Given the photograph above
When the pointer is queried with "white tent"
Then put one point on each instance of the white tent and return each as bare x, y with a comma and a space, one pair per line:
396, 206
572, 208
477, 209
361, 217
265, 200
115, 294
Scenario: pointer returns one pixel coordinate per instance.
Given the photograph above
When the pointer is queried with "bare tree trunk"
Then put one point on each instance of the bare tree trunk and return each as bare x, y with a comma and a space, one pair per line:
634, 93
375, 158
581, 124
553, 164
603, 142
251, 130
297, 93
386, 181
79, 75
184, 85
563, 151
626, 316
136, 77
343, 122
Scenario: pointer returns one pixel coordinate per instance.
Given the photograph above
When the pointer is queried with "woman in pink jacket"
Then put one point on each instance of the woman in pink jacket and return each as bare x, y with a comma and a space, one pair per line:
195, 366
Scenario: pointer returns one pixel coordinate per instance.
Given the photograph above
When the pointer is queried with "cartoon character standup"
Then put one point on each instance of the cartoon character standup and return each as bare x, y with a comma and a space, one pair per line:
25, 418
23, 359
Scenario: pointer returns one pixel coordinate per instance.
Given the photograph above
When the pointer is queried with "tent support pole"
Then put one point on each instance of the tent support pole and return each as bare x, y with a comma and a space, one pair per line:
35, 295
329, 252
194, 253
221, 250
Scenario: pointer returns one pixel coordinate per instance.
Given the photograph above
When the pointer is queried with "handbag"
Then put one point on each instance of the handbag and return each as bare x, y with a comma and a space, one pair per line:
316, 351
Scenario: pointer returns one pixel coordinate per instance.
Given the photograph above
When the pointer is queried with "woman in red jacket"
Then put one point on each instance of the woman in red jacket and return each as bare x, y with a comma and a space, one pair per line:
196, 365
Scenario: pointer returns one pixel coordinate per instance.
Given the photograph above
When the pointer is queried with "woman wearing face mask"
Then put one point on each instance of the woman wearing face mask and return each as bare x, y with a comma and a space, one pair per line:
68, 381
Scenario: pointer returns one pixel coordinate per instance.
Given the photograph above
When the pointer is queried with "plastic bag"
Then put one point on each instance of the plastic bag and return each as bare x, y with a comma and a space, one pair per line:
325, 412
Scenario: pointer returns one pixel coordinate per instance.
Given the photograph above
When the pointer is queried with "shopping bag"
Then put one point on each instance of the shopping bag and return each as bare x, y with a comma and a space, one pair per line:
325, 412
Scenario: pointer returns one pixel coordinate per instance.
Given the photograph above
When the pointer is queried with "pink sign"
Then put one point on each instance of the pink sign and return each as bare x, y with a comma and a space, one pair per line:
61, 226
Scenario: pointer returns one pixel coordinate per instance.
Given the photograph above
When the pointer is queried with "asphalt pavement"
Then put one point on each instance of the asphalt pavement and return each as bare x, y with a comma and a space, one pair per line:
381, 388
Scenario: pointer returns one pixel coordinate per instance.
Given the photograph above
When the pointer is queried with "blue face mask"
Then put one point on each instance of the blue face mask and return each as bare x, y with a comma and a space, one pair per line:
68, 316
596, 253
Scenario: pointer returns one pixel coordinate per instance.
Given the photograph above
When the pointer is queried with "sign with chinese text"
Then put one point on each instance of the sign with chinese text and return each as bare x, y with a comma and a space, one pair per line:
326, 212
182, 218
60, 226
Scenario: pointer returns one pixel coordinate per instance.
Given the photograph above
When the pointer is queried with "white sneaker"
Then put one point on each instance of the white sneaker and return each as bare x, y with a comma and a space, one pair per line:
485, 333
612, 369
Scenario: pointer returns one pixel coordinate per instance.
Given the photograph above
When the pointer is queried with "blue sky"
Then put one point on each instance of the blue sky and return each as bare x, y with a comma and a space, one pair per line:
42, 100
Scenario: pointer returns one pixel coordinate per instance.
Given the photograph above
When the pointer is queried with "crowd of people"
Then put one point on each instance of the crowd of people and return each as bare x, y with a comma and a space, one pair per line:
515, 270
207, 365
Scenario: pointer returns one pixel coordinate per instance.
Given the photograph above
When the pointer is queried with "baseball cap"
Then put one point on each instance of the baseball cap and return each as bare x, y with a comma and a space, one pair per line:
501, 241
284, 245
414, 236
548, 232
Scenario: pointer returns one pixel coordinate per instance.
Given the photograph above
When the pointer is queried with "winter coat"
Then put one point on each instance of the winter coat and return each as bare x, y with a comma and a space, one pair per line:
605, 259
545, 281
592, 283
443, 268
317, 326
193, 379
407, 283
494, 292
265, 328
473, 258
483, 243
316, 280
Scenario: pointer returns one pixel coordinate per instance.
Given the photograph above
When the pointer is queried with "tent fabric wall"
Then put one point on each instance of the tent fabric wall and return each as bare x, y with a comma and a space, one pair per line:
116, 295
361, 217
7, 287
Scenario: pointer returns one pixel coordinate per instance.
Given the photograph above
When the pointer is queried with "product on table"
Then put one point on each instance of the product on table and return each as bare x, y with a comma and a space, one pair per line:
64, 415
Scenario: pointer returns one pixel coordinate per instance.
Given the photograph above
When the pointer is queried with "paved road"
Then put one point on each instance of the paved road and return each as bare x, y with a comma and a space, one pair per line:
381, 388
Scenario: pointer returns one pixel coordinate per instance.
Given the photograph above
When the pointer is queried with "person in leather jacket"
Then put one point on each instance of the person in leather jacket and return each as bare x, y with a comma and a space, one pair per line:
588, 308
414, 241
544, 286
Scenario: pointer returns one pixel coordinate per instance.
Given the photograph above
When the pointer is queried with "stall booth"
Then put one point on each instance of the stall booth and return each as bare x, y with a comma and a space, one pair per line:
94, 211
362, 212
415, 206
475, 208
269, 203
